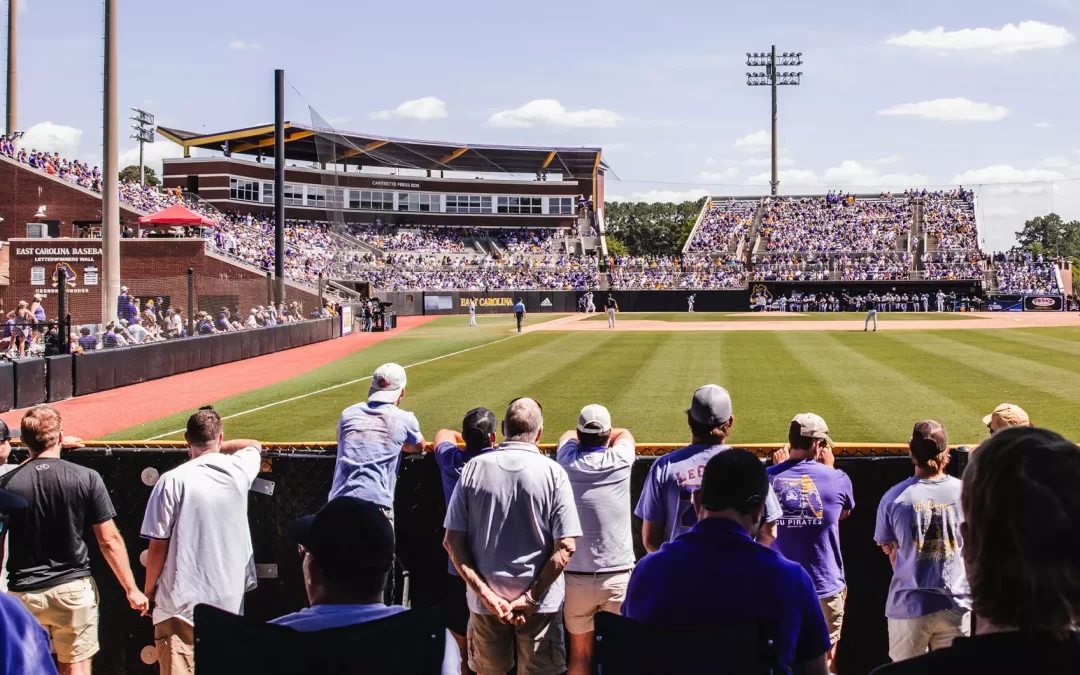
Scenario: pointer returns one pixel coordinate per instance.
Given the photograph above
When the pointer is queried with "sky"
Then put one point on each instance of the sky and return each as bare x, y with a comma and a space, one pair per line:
894, 95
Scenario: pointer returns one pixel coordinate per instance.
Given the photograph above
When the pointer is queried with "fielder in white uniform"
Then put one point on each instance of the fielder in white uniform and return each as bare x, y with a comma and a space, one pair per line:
472, 311
690, 302
590, 307
940, 301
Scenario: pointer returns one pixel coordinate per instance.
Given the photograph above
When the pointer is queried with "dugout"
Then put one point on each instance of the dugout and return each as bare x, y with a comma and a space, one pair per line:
297, 478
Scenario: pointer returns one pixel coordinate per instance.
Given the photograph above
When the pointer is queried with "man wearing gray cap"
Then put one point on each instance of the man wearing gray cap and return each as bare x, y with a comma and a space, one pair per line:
665, 505
598, 461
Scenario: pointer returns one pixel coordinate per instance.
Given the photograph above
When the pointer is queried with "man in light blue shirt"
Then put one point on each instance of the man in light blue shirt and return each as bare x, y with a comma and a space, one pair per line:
519, 313
918, 527
348, 553
371, 438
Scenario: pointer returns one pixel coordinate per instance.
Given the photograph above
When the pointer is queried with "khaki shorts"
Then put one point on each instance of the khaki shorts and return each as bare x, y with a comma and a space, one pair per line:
833, 609
69, 613
174, 640
909, 638
587, 594
538, 645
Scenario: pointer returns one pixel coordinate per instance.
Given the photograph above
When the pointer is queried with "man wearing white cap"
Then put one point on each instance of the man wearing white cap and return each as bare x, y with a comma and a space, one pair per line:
665, 505
815, 497
598, 461
1006, 415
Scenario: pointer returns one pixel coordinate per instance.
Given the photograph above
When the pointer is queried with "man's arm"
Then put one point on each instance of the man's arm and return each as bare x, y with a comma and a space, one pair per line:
155, 562
767, 533
845, 513
570, 435
618, 435
456, 544
524, 606
652, 535
889, 549
112, 547
447, 436
238, 444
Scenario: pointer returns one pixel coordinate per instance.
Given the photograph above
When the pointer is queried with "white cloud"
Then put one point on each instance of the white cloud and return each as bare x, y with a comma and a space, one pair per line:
1008, 39
1003, 173
1043, 125
1000, 212
1056, 162
152, 155
675, 196
950, 110
241, 46
729, 173
549, 112
759, 141
423, 109
885, 161
709, 161
54, 138
849, 173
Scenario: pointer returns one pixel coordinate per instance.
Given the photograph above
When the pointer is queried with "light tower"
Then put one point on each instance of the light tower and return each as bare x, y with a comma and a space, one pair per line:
143, 126
771, 78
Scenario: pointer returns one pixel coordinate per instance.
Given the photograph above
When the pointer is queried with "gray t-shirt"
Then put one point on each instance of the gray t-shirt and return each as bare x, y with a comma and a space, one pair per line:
514, 503
600, 478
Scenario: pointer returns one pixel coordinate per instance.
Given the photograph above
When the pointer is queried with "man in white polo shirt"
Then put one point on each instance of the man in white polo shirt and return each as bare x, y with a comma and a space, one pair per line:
598, 461
200, 542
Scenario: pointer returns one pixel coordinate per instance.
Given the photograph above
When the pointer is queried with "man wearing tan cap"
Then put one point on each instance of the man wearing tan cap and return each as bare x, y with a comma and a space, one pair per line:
1006, 415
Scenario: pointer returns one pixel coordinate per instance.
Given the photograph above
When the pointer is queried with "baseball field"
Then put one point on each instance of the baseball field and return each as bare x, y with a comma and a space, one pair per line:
870, 387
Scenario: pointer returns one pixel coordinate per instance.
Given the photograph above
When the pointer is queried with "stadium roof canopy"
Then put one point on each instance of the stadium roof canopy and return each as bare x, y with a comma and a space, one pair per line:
304, 143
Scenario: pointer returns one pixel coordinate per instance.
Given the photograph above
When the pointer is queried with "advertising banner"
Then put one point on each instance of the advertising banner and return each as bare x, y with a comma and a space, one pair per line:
1005, 303
346, 319
1044, 303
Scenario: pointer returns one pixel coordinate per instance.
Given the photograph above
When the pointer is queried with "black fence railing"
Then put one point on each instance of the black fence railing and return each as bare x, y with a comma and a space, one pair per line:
296, 480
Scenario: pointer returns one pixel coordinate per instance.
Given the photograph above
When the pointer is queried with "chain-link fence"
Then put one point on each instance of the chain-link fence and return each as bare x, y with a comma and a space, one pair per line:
296, 480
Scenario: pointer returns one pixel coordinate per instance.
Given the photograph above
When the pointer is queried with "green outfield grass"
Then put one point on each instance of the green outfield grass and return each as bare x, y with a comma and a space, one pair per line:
870, 387
857, 317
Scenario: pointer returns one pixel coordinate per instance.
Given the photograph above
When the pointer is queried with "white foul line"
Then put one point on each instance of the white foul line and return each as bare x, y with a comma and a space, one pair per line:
337, 386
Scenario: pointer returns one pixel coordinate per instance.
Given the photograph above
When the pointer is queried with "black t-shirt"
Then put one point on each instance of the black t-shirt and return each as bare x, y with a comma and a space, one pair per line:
610, 303
46, 542
1004, 653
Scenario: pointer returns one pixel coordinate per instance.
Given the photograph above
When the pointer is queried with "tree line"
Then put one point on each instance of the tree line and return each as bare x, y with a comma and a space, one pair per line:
649, 229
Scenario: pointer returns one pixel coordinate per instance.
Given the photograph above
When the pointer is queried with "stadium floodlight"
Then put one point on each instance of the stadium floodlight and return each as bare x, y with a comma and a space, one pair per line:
772, 78
144, 133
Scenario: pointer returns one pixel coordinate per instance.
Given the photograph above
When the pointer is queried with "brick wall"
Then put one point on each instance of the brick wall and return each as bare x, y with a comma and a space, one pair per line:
23, 190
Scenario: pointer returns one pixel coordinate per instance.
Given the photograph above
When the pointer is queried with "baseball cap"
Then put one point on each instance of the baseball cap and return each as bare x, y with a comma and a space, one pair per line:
1007, 415
734, 479
387, 383
594, 419
813, 426
479, 424
711, 405
928, 440
349, 538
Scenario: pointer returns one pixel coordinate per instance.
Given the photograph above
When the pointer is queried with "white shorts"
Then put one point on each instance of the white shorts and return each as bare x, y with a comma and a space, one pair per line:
909, 638
587, 594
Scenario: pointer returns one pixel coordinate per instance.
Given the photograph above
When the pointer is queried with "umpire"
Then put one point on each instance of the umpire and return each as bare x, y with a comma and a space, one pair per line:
519, 312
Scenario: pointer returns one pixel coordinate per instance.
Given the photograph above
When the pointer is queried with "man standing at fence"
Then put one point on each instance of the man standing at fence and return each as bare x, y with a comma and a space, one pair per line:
612, 308
665, 505
519, 313
200, 543
49, 568
918, 527
472, 312
598, 460
510, 530
815, 498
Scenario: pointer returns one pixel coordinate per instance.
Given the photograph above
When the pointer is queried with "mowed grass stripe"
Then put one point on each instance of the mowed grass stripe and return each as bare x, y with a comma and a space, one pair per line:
666, 380
978, 390
887, 394
1053, 339
1001, 342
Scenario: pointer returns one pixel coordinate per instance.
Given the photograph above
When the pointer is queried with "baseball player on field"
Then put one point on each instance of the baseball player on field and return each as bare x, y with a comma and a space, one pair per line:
690, 302
612, 308
871, 311
472, 312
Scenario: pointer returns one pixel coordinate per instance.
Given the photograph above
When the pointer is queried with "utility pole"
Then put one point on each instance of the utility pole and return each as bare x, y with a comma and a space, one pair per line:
144, 133
110, 179
12, 68
771, 78
279, 186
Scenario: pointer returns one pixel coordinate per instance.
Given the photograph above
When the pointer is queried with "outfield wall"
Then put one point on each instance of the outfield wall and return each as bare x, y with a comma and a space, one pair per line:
295, 481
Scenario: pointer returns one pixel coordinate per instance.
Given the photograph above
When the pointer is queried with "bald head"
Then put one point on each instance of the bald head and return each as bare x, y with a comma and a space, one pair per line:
524, 421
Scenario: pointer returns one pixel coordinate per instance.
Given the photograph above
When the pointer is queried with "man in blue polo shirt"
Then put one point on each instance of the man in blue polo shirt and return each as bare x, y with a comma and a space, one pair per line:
702, 578
664, 506
519, 312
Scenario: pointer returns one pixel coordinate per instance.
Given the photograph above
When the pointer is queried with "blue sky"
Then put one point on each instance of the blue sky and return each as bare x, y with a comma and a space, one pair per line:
918, 92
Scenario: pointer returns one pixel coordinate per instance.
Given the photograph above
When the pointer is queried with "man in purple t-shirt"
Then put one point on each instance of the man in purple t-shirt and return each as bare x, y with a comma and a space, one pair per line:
815, 497
477, 436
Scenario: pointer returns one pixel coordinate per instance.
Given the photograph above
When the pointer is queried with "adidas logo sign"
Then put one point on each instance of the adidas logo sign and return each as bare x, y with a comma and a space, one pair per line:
546, 302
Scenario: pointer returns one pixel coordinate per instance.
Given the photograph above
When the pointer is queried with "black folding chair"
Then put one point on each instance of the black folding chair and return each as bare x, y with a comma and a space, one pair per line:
626, 647
402, 644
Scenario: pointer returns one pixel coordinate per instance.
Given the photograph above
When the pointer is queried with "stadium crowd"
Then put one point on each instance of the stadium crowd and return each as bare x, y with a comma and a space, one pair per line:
455, 239
949, 217
836, 222
665, 272
790, 267
538, 544
1020, 272
724, 225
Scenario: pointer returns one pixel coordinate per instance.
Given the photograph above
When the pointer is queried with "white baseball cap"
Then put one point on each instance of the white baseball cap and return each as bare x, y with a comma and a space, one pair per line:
813, 426
594, 419
387, 383
711, 405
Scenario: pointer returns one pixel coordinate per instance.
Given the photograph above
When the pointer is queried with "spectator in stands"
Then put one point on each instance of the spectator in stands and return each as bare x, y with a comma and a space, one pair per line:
1006, 415
477, 436
174, 325
918, 527
49, 567
510, 530
664, 506
24, 643
200, 543
113, 336
122, 302
251, 320
348, 549
815, 497
87, 342
1021, 506
205, 326
598, 460
717, 554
